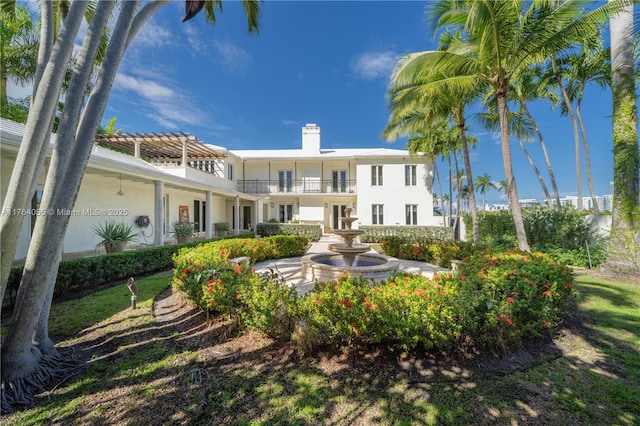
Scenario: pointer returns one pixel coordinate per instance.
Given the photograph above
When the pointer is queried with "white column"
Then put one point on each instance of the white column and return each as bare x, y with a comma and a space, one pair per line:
136, 144
184, 151
207, 216
236, 217
256, 215
158, 211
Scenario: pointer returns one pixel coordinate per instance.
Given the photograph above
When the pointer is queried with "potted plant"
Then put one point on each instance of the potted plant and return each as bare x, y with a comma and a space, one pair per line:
221, 228
114, 236
182, 231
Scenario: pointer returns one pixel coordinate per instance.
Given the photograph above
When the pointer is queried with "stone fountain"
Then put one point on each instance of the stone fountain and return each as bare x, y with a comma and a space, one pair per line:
347, 256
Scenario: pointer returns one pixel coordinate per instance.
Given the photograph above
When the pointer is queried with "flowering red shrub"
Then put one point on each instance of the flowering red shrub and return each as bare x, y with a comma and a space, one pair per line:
519, 295
494, 301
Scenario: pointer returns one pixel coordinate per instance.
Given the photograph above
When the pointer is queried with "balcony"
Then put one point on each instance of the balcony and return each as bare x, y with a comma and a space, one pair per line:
304, 186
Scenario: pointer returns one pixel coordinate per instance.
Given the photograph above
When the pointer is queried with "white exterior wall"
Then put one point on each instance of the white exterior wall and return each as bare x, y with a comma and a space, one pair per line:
393, 194
98, 203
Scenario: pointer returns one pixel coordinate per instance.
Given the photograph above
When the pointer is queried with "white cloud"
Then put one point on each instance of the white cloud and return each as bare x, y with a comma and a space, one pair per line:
233, 58
145, 88
152, 35
373, 65
287, 122
165, 105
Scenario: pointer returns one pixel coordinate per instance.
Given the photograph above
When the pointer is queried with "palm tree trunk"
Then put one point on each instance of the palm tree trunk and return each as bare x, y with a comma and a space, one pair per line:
576, 135
471, 193
624, 244
536, 129
60, 192
450, 190
458, 195
537, 172
435, 171
36, 138
587, 160
516, 211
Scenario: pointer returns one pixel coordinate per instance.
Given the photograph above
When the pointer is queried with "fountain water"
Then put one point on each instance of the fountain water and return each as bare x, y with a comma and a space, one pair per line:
347, 256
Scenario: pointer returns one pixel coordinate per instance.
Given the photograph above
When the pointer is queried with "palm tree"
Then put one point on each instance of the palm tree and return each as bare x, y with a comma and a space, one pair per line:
19, 47
412, 103
531, 86
624, 244
590, 65
503, 40
501, 186
556, 74
21, 366
483, 184
430, 141
520, 126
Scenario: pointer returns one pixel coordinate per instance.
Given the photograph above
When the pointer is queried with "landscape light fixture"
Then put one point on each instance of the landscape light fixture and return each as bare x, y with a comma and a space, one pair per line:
120, 193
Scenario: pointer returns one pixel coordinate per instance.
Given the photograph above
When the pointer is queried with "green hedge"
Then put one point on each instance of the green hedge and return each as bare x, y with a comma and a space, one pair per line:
375, 233
90, 272
312, 232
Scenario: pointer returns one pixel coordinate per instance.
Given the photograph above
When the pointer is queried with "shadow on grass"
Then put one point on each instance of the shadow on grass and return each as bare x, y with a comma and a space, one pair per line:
184, 371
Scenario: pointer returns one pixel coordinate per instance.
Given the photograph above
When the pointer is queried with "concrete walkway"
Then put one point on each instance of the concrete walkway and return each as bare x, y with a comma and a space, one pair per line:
291, 269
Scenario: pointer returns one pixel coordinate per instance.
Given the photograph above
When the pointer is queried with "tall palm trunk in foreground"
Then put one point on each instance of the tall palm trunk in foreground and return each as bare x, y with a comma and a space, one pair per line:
624, 245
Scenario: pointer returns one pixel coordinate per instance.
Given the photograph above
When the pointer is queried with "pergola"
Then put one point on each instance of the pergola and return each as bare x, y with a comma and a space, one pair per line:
180, 148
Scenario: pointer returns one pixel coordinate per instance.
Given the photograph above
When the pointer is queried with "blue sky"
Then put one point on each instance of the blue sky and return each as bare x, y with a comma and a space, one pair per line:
315, 62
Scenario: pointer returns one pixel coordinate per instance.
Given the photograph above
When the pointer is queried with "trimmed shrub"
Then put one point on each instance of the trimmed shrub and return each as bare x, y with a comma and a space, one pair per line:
90, 272
312, 232
441, 253
561, 234
375, 233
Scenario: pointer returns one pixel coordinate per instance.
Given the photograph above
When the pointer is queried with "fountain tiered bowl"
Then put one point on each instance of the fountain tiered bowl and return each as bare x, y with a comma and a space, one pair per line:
347, 257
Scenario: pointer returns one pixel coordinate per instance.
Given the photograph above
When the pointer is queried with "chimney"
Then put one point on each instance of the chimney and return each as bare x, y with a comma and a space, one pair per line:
311, 138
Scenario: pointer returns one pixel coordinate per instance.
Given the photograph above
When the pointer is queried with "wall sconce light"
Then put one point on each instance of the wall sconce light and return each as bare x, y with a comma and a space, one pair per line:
354, 205
326, 205
120, 193
272, 205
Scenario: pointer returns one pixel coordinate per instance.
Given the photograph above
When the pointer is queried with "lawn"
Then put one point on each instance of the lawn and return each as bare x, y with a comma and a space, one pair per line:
173, 368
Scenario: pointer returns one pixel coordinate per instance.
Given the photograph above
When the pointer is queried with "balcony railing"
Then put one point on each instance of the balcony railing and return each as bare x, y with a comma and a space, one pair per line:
305, 186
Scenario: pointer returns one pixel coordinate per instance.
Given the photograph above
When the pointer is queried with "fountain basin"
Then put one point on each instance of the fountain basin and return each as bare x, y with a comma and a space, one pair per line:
330, 266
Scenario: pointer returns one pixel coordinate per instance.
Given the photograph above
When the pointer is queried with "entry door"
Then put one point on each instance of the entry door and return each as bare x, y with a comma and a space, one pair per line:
246, 217
286, 212
338, 212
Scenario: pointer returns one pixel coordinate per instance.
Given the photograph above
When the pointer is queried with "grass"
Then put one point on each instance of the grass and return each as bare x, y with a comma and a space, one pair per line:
189, 378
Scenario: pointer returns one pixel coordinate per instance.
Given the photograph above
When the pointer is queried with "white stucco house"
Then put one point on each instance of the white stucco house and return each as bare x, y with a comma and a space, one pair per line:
169, 177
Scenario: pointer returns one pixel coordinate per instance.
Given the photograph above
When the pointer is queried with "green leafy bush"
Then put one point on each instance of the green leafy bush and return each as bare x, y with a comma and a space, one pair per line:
311, 232
195, 267
495, 301
376, 233
440, 252
517, 296
91, 272
271, 306
407, 311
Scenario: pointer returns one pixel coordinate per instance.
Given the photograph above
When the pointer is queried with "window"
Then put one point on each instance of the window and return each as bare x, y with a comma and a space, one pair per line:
339, 181
410, 176
377, 214
376, 175
265, 212
411, 211
230, 174
285, 180
286, 212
